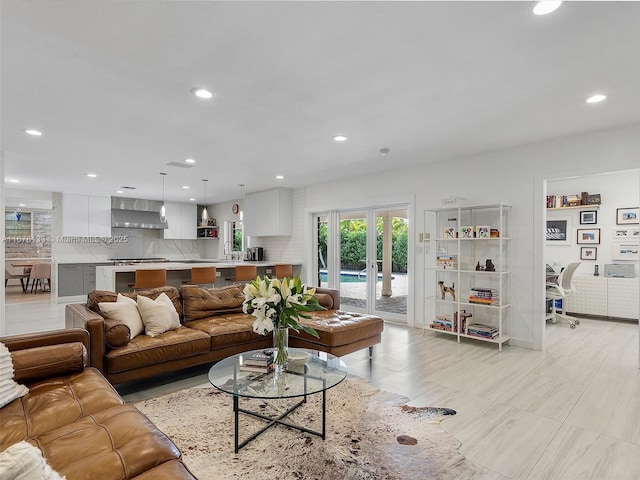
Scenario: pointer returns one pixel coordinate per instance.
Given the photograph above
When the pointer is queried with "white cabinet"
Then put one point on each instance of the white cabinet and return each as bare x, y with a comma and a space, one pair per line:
467, 249
268, 213
86, 215
591, 296
182, 221
604, 296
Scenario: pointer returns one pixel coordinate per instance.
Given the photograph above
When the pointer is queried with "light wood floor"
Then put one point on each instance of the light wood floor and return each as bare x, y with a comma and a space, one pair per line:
571, 412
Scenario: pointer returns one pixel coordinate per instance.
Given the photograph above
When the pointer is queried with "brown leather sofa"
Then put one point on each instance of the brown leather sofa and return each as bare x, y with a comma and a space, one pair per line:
212, 328
76, 418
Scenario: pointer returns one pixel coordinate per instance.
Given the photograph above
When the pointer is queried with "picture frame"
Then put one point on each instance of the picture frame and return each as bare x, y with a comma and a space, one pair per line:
588, 235
627, 216
558, 229
588, 253
483, 231
588, 217
625, 251
466, 232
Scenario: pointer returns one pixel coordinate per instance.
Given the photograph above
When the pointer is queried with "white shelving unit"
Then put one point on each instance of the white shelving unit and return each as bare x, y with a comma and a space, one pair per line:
456, 254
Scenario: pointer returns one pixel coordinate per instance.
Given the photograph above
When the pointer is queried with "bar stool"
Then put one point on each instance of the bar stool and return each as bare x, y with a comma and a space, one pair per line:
283, 270
202, 276
149, 279
243, 274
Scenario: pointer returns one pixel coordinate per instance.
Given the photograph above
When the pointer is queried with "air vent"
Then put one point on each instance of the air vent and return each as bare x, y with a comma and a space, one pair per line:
179, 165
129, 188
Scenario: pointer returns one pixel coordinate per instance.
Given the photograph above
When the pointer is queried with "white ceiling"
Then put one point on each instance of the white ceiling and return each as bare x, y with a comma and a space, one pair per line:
109, 85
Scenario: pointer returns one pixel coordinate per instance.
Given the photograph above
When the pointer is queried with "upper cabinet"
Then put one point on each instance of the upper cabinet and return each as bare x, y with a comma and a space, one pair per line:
181, 221
268, 213
86, 215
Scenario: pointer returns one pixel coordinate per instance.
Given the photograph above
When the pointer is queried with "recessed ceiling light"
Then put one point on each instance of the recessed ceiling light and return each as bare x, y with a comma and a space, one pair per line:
35, 133
21, 205
91, 175
202, 93
542, 8
189, 160
119, 191
280, 177
13, 180
384, 151
186, 187
340, 138
596, 98
192, 199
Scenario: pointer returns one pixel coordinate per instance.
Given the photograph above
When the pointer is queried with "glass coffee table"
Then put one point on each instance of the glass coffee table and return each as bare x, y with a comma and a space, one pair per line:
321, 372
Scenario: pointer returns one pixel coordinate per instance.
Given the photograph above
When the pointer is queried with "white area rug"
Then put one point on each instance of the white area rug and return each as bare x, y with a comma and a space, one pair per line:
363, 426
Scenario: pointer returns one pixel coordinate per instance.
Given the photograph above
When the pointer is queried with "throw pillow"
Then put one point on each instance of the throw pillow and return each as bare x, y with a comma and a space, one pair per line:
23, 461
9, 389
125, 310
158, 315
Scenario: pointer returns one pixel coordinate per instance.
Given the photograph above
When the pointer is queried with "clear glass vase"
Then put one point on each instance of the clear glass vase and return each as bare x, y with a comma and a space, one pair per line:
280, 348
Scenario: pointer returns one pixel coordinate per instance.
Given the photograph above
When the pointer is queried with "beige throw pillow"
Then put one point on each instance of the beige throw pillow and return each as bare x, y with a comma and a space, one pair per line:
23, 461
158, 315
125, 311
9, 389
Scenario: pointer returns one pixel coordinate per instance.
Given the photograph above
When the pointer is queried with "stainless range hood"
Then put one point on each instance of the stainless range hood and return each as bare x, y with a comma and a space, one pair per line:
136, 213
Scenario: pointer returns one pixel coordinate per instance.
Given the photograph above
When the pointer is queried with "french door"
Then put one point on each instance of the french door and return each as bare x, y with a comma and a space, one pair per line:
364, 253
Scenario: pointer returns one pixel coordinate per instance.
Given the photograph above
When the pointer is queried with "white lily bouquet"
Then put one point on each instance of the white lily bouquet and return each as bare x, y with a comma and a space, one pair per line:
277, 306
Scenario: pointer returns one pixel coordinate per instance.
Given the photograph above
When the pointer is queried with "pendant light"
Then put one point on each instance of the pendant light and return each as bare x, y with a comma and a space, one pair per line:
241, 200
163, 210
204, 216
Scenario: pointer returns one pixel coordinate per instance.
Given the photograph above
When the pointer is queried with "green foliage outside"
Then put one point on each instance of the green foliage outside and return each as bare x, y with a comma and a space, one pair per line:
353, 235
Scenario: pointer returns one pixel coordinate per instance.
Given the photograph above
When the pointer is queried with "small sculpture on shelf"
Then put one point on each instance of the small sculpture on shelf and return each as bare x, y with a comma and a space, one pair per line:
479, 268
489, 266
444, 290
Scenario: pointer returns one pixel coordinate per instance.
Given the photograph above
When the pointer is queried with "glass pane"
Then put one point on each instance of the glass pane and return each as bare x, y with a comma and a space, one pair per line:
392, 228
353, 257
321, 242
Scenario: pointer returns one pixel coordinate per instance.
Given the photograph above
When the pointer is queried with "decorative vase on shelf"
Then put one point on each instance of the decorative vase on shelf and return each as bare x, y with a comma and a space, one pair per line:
280, 348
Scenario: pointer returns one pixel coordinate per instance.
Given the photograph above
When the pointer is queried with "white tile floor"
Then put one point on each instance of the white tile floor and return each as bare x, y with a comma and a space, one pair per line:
571, 412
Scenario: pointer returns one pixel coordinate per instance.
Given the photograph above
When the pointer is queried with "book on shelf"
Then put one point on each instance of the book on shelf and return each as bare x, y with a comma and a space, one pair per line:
449, 322
484, 296
446, 261
257, 359
482, 330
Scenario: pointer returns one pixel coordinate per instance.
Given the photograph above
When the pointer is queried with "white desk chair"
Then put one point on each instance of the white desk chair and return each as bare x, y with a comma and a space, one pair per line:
560, 291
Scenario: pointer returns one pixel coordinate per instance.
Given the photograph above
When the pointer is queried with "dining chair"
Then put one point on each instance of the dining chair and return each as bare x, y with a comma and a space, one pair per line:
244, 274
39, 275
202, 276
151, 278
16, 276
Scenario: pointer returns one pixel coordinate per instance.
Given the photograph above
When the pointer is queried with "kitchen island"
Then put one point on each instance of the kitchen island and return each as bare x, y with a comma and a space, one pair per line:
117, 278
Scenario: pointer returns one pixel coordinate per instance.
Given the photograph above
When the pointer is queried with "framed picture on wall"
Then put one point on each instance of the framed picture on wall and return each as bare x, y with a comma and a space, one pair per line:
558, 231
589, 217
625, 251
627, 216
588, 235
588, 253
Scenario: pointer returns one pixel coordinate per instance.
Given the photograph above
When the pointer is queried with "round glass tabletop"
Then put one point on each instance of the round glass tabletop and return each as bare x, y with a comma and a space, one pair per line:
321, 372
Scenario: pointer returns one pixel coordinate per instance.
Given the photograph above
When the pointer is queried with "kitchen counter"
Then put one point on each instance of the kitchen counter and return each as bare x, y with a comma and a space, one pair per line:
117, 278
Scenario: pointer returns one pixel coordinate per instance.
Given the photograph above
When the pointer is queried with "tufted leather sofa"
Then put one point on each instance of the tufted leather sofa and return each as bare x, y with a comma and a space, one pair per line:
212, 328
76, 418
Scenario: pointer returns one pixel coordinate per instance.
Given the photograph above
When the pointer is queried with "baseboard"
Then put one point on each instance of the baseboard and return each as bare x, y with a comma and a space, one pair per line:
522, 343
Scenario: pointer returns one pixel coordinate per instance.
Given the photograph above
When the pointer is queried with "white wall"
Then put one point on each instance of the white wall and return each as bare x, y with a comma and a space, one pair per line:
516, 177
617, 190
